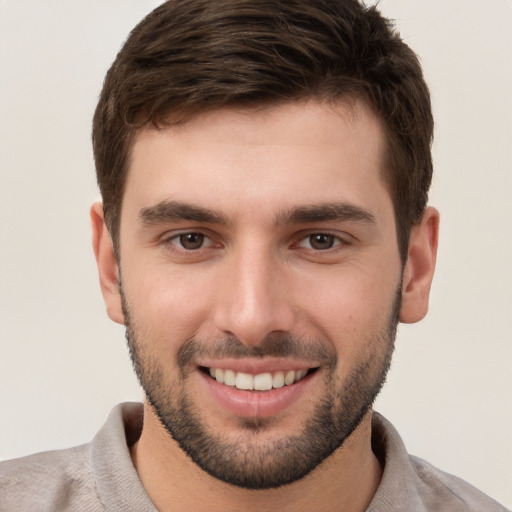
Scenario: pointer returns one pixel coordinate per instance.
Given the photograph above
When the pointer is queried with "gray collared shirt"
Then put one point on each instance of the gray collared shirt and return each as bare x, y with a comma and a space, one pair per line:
100, 476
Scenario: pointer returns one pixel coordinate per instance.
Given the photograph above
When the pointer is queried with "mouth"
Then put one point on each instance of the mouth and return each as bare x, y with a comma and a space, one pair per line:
265, 381
256, 389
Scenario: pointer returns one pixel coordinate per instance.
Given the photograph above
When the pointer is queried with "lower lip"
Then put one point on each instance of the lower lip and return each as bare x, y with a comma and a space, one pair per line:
256, 404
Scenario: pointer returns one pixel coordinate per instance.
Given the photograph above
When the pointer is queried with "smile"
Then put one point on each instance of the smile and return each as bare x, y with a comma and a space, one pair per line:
262, 389
260, 382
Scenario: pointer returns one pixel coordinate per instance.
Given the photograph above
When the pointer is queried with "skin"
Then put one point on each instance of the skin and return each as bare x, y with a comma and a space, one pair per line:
258, 275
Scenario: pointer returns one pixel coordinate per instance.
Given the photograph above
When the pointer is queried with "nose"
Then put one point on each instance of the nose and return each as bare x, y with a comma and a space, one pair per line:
253, 300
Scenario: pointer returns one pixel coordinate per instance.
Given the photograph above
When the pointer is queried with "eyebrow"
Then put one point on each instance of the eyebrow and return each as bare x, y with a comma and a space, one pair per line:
341, 212
167, 211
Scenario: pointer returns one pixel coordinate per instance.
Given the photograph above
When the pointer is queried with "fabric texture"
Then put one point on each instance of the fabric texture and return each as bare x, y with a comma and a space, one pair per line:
100, 476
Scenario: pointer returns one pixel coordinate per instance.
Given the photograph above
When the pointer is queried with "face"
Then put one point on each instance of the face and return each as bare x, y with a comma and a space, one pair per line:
261, 283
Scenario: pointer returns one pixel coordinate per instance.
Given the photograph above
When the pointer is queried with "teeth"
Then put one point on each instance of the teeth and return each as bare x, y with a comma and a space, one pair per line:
244, 381
289, 378
300, 374
229, 377
278, 380
219, 375
260, 382
263, 382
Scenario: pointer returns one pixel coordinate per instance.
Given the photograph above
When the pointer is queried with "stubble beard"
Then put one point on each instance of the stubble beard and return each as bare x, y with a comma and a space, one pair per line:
247, 462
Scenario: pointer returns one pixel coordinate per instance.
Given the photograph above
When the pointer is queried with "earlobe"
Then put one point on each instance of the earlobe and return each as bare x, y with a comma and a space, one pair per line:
108, 269
419, 269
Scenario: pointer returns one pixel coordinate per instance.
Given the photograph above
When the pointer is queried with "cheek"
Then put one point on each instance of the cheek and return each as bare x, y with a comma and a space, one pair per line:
169, 306
350, 308
350, 299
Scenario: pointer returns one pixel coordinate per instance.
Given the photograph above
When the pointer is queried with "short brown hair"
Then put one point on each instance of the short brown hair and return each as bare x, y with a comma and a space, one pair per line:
190, 56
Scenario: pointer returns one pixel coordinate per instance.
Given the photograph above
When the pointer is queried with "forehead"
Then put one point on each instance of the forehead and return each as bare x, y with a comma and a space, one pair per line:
297, 153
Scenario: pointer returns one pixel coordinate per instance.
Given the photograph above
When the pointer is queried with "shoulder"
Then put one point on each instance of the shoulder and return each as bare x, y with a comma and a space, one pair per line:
410, 483
436, 486
93, 477
54, 480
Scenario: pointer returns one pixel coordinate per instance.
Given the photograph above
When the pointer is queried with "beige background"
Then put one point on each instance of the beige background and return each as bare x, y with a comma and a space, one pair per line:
63, 364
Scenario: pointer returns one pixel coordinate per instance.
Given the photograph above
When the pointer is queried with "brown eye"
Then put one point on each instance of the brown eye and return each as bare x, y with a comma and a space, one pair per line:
191, 241
322, 241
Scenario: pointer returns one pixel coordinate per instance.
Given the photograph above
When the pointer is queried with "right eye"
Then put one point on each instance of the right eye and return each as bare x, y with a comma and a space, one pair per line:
191, 241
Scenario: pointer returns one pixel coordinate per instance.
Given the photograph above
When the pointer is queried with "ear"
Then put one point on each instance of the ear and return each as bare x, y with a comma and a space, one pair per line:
419, 269
108, 269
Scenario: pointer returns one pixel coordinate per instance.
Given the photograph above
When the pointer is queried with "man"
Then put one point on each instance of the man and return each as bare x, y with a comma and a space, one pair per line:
264, 169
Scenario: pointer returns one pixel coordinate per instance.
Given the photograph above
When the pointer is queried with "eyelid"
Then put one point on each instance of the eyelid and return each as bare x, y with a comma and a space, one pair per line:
342, 239
169, 239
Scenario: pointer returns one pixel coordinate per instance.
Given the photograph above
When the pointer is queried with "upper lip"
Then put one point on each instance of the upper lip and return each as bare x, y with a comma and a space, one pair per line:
258, 366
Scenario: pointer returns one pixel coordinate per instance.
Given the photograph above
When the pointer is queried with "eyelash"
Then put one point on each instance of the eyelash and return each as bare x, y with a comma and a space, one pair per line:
176, 239
335, 239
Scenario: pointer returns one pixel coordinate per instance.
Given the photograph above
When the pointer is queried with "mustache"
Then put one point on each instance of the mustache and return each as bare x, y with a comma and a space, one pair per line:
273, 345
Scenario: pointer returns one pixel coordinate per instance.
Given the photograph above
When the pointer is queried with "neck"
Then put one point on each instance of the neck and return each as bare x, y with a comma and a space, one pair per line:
347, 480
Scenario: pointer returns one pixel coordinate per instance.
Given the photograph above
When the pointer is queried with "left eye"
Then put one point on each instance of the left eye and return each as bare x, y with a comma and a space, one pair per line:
191, 241
320, 241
